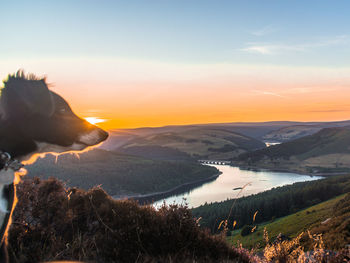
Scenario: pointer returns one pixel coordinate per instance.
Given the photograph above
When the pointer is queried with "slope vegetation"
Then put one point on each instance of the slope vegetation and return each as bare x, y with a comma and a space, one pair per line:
325, 151
52, 223
119, 174
290, 226
271, 204
299, 130
199, 143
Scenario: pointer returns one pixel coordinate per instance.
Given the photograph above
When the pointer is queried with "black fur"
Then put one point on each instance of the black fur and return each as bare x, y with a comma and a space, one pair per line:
33, 116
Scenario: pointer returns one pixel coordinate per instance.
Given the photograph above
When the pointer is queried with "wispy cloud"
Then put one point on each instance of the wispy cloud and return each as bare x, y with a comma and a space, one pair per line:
259, 49
329, 111
265, 92
313, 89
269, 48
264, 31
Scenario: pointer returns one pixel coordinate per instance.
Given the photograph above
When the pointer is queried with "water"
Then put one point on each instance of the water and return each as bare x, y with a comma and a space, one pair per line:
268, 144
233, 177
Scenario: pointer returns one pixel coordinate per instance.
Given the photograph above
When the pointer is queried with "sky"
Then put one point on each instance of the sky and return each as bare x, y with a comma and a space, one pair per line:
154, 63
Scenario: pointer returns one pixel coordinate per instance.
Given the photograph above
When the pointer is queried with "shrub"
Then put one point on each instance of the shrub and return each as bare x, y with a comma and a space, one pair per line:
51, 222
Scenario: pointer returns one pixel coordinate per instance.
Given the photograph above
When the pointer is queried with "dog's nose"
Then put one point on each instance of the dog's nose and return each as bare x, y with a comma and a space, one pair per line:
102, 134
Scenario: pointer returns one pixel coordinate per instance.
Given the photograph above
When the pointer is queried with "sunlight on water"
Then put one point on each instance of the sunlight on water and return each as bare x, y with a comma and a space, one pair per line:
230, 182
268, 144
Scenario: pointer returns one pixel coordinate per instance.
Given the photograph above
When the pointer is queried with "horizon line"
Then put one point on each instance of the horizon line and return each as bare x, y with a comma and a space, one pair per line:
226, 123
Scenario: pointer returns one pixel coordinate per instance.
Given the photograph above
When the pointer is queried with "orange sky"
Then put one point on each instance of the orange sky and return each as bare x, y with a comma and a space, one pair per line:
154, 63
133, 93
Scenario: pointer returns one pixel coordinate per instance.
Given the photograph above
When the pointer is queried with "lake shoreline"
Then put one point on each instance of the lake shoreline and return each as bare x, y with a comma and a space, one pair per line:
185, 190
285, 170
180, 189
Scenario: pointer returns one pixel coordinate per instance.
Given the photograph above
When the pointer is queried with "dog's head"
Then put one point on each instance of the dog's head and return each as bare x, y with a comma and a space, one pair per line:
43, 117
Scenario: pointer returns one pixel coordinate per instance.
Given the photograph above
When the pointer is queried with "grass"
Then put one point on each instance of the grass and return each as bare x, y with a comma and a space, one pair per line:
290, 226
53, 223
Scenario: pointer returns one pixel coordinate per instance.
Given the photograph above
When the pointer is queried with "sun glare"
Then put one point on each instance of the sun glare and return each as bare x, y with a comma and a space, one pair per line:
94, 120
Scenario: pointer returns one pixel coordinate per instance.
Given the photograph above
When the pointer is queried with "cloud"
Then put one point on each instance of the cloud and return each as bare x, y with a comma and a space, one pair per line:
264, 31
264, 92
259, 49
268, 48
271, 49
312, 89
329, 111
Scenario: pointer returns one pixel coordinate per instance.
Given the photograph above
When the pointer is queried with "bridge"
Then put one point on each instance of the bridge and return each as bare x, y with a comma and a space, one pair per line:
214, 162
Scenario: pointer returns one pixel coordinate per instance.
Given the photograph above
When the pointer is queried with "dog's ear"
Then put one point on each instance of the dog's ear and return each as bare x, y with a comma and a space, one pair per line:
30, 94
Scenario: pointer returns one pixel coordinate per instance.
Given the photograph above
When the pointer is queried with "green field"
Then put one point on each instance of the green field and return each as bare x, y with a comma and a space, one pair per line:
290, 226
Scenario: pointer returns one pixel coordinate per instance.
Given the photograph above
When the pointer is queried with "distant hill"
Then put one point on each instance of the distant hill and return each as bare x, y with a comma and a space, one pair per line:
119, 174
300, 130
252, 129
199, 143
325, 151
273, 131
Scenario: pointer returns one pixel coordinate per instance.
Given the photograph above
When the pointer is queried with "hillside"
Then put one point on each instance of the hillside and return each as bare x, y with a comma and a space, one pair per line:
278, 131
323, 152
52, 223
293, 132
199, 143
271, 204
331, 219
119, 174
290, 226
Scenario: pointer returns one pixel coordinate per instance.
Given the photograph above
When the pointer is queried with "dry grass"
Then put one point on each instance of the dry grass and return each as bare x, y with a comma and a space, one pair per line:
55, 223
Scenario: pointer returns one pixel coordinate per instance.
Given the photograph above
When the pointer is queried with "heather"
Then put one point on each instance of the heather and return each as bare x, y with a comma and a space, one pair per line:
51, 222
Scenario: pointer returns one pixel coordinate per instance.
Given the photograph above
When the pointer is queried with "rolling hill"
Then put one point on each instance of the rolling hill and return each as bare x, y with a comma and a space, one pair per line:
274, 131
313, 218
256, 130
325, 151
293, 132
198, 143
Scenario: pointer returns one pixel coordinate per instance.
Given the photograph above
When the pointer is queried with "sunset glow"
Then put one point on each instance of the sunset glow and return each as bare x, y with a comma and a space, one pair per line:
248, 62
94, 120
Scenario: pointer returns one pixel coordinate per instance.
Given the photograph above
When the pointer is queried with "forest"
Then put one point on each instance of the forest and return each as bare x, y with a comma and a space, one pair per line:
120, 174
272, 204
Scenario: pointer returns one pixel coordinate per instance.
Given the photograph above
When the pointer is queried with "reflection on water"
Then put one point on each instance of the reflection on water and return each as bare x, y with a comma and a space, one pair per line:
268, 144
229, 184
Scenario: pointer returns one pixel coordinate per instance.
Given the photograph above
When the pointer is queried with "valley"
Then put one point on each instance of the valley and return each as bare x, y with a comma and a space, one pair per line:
154, 163
288, 176
229, 184
119, 174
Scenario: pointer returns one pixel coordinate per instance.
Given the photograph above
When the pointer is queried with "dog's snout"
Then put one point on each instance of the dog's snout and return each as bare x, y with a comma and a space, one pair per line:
103, 135
93, 136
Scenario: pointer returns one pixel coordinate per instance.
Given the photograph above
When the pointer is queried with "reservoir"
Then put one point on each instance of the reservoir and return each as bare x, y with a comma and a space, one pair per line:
229, 185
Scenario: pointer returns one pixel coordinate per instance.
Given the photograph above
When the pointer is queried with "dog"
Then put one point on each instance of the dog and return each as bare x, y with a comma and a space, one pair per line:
34, 120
